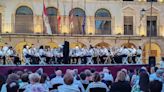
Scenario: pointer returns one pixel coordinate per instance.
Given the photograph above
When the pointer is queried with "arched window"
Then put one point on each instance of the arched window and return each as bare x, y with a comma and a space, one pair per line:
24, 20
52, 16
77, 19
103, 22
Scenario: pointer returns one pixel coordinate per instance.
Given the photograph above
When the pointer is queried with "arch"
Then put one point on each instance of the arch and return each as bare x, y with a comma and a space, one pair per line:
1, 44
77, 22
128, 45
77, 12
24, 20
52, 45
155, 51
79, 44
101, 44
103, 21
102, 12
52, 11
24, 10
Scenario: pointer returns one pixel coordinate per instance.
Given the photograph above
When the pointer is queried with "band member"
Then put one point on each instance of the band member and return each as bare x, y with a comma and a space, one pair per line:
89, 55
133, 54
10, 55
124, 54
42, 55
1, 55
26, 54
139, 55
103, 54
49, 56
4, 49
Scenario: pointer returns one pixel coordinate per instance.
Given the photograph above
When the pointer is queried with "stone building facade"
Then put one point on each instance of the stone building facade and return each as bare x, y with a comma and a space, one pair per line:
107, 22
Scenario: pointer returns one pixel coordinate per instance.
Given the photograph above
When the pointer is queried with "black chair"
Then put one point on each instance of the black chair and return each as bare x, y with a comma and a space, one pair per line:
21, 90
55, 86
97, 89
108, 83
85, 86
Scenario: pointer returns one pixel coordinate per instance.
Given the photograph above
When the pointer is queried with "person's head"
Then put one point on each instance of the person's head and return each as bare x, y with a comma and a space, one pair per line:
144, 82
12, 86
68, 78
82, 76
121, 76
58, 73
24, 77
155, 86
124, 70
43, 78
96, 77
41, 47
105, 70
34, 78
12, 77
88, 73
159, 73
152, 70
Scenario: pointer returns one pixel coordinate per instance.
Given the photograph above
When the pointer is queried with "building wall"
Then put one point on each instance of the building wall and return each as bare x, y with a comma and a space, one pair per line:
117, 8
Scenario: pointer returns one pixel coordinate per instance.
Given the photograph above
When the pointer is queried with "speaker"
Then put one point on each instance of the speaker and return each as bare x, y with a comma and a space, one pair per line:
152, 61
66, 52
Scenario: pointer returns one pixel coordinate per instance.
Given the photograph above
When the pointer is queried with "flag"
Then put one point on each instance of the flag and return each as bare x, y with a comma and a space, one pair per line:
58, 18
45, 20
84, 19
71, 16
84, 24
59, 23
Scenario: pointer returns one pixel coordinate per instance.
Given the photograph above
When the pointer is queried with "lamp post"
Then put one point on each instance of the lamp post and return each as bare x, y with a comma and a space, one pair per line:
151, 29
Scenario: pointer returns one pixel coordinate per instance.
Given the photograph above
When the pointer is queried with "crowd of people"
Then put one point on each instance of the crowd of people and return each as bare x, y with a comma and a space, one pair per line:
89, 80
91, 55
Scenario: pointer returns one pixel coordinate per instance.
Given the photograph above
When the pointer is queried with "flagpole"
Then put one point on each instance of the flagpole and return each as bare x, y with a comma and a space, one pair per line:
42, 17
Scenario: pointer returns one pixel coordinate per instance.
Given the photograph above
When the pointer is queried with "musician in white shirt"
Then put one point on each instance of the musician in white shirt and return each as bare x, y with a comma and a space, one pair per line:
26, 54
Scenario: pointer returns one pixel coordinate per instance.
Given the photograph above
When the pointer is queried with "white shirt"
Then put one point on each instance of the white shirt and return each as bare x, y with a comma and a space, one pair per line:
108, 77
37, 87
25, 51
154, 77
125, 51
68, 88
1, 53
97, 84
57, 80
10, 52
41, 52
161, 64
4, 49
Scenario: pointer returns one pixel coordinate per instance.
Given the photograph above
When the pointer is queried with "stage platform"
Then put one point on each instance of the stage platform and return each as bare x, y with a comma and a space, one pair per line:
49, 69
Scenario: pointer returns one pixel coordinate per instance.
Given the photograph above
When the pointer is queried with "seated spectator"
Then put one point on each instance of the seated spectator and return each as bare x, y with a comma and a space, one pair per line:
68, 85
97, 83
162, 62
24, 79
88, 75
13, 86
135, 77
58, 79
157, 75
44, 81
83, 78
143, 85
120, 85
107, 76
127, 78
34, 85
155, 86
10, 78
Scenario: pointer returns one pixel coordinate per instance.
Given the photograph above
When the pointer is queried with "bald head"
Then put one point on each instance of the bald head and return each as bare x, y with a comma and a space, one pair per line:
68, 78
58, 73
